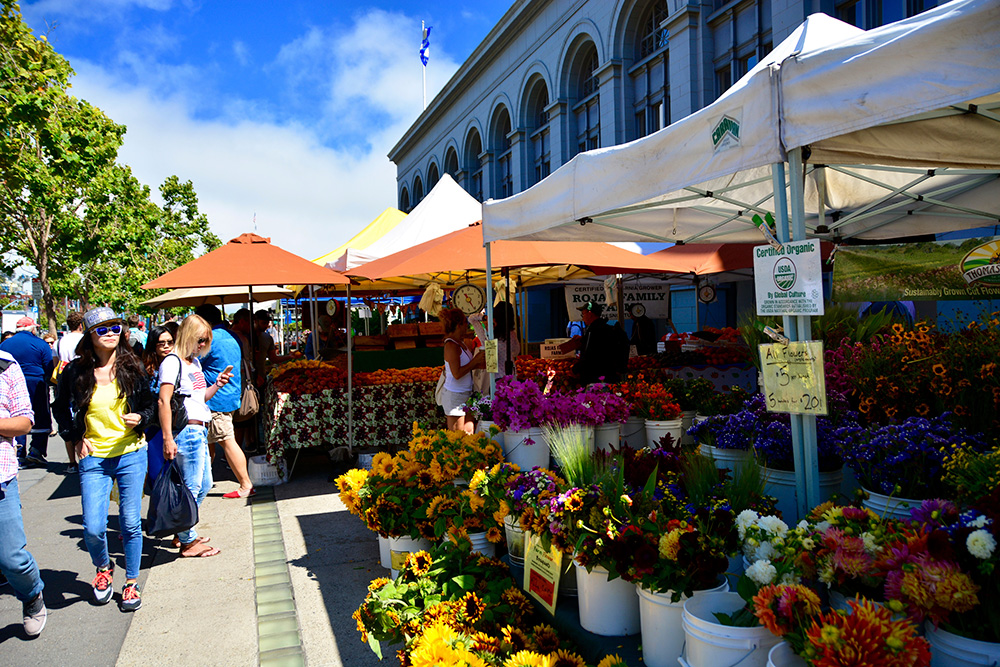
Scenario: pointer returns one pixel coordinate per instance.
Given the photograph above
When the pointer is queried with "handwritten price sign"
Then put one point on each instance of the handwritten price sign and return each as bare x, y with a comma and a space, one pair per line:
794, 381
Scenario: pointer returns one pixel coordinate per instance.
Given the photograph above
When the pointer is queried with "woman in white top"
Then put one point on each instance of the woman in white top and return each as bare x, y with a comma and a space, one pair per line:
504, 330
459, 361
181, 372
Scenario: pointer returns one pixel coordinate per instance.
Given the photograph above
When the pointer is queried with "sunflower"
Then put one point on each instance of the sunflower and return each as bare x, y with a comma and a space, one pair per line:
424, 478
527, 659
546, 638
377, 584
420, 562
612, 661
516, 638
494, 535
564, 658
939, 369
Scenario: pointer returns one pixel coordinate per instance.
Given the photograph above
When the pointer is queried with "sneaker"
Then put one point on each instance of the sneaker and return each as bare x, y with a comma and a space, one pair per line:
102, 584
35, 460
131, 599
35, 615
71, 469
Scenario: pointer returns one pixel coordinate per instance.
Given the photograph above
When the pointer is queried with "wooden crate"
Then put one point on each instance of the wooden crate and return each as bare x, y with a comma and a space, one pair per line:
402, 330
366, 343
404, 343
431, 328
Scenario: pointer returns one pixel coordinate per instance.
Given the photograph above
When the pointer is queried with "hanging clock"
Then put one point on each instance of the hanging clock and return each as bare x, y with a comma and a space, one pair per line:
469, 298
706, 293
638, 310
332, 306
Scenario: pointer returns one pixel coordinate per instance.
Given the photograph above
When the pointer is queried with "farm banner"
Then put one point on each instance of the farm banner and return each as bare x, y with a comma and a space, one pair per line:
654, 296
927, 271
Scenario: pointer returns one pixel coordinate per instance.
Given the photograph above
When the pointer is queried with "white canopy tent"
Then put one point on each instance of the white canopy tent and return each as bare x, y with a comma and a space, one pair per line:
887, 133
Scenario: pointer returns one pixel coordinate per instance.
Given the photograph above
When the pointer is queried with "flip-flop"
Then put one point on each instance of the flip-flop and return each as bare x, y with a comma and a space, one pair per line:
209, 551
239, 494
176, 544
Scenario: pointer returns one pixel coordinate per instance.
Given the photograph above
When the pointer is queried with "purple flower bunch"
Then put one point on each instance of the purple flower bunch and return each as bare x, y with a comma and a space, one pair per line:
599, 405
521, 405
532, 489
906, 460
735, 431
518, 405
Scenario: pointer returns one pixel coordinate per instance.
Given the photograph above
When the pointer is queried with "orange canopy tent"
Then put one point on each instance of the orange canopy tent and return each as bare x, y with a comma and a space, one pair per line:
453, 257
247, 260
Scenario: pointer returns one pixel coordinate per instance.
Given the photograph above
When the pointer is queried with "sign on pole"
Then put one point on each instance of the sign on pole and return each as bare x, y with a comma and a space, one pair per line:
788, 281
794, 380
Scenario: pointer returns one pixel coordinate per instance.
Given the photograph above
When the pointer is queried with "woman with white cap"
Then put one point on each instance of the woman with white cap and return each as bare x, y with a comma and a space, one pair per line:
104, 404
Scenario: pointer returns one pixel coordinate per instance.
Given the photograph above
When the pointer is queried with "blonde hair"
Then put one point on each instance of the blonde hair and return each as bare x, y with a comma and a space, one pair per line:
186, 342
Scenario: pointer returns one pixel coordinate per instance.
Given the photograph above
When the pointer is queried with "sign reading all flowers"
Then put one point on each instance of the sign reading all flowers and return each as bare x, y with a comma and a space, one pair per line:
794, 381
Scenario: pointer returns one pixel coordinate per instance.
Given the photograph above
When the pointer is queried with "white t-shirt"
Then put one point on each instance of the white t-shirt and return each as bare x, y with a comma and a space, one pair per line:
66, 347
192, 385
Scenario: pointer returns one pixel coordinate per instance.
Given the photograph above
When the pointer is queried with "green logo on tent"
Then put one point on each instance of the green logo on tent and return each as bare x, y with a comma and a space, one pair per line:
982, 264
726, 126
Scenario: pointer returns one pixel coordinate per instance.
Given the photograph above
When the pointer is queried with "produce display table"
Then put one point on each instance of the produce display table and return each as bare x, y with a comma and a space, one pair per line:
383, 416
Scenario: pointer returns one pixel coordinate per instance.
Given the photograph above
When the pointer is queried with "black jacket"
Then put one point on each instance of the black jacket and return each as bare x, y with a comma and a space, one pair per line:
604, 353
70, 408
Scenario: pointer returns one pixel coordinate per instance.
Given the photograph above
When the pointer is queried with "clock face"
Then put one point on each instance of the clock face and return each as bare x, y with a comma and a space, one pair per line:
332, 306
706, 293
469, 298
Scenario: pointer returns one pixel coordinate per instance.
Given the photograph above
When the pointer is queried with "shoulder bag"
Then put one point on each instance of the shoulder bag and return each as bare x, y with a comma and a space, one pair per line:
249, 398
179, 415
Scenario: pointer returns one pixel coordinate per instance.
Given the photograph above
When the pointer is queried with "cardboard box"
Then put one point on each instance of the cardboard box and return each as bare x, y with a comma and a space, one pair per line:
552, 351
402, 330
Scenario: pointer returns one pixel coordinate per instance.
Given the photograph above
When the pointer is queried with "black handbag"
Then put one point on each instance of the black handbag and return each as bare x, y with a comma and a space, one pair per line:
178, 413
172, 507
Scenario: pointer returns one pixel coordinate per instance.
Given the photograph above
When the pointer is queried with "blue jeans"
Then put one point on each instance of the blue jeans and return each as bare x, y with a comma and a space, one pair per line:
96, 478
16, 563
196, 468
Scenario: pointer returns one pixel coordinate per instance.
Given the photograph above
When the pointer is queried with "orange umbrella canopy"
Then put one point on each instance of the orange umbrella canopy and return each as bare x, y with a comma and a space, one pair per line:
248, 260
463, 251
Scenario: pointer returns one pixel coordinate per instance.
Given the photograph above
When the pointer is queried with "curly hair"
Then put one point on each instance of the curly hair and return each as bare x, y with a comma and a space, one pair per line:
127, 371
453, 320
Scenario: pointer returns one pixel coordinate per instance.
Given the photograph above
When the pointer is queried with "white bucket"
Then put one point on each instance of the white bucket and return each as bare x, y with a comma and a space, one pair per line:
687, 420
526, 455
607, 436
725, 459
782, 655
737, 566
515, 536
633, 432
484, 427
401, 547
781, 485
951, 650
657, 429
889, 506
662, 633
710, 644
607, 608
384, 557
481, 545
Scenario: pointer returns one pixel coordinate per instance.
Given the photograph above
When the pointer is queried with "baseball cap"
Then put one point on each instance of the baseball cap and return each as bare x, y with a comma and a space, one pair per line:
24, 323
99, 315
593, 307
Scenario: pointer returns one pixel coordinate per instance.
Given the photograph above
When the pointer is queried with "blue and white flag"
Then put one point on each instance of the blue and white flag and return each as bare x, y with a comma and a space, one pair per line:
425, 46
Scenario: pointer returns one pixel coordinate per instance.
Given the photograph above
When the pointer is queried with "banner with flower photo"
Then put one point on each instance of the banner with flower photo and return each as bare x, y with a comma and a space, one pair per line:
961, 269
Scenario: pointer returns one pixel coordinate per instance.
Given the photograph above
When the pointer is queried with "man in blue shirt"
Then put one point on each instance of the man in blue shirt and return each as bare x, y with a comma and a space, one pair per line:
35, 358
225, 352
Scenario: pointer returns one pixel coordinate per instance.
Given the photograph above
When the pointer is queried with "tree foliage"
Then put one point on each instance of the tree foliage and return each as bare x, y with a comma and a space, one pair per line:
67, 207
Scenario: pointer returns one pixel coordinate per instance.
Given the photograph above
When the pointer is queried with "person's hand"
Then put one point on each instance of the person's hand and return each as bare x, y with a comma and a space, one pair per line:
223, 379
131, 419
169, 449
83, 449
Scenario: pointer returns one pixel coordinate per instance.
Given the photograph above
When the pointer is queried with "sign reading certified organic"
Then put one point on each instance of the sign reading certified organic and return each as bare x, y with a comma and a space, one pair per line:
788, 281
654, 296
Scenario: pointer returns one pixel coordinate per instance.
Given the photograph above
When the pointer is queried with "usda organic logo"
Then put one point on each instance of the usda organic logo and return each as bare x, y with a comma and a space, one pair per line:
784, 274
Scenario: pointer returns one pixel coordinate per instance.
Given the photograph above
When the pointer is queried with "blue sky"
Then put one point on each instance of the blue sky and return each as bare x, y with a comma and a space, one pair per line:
284, 109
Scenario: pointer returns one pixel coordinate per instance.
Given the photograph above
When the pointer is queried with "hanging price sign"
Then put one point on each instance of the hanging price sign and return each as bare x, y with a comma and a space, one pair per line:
794, 380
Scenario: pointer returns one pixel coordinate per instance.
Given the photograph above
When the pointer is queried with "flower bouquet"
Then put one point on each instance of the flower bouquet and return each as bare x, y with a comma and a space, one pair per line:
723, 402
599, 405
479, 408
690, 393
519, 405
453, 454
656, 403
392, 498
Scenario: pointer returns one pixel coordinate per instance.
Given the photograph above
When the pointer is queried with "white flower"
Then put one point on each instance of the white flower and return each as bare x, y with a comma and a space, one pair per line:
980, 522
789, 579
762, 572
773, 525
981, 544
869, 541
745, 519
803, 525
766, 551
808, 544
822, 526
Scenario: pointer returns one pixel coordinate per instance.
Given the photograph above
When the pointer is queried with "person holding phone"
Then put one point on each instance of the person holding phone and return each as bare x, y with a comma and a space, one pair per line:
181, 371
103, 405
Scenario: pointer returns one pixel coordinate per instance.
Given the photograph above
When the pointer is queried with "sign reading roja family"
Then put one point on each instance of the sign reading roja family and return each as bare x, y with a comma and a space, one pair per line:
655, 297
788, 280
927, 271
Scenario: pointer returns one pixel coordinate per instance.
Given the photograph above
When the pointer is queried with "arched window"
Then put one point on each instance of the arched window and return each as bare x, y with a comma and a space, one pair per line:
537, 119
451, 163
650, 74
432, 176
404, 200
586, 103
473, 149
418, 190
504, 186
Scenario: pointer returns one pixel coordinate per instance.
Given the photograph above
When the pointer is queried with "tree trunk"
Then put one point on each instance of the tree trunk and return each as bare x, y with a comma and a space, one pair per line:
43, 277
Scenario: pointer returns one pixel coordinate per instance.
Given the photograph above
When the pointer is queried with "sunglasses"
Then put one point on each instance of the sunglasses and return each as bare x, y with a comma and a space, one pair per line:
103, 331
202, 341
167, 342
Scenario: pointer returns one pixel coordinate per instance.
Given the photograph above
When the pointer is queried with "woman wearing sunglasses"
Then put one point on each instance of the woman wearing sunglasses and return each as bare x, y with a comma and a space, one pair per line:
103, 405
181, 371
159, 344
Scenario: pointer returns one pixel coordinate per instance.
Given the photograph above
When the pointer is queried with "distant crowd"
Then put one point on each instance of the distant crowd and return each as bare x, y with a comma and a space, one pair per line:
131, 406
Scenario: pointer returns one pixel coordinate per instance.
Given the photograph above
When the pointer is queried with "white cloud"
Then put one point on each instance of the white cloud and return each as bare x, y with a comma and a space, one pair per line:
307, 196
242, 52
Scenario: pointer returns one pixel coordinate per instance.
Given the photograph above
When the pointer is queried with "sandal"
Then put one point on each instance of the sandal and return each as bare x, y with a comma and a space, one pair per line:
205, 552
176, 544
238, 493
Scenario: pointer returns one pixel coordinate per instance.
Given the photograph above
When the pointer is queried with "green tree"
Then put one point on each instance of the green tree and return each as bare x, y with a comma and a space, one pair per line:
85, 223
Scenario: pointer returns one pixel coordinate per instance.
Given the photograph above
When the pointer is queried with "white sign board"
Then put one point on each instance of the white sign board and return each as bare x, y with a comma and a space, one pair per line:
788, 281
655, 297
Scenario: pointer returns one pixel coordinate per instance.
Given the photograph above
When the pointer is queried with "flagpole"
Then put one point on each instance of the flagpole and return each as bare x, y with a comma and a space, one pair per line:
423, 65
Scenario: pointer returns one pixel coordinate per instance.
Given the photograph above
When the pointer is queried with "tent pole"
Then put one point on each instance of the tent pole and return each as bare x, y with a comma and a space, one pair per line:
803, 329
508, 366
489, 308
314, 325
350, 378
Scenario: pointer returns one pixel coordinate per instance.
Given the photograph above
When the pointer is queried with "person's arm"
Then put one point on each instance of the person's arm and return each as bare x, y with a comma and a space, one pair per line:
167, 378
17, 403
574, 343
453, 357
12, 427
221, 381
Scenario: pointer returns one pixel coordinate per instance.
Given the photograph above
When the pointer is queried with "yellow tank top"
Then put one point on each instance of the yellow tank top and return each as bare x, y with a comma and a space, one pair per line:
106, 430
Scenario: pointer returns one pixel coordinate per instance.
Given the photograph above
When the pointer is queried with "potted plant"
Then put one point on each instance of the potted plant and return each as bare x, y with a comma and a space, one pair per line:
662, 414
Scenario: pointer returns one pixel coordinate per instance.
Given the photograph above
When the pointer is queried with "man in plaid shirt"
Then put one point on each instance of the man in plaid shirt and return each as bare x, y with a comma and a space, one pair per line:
16, 563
